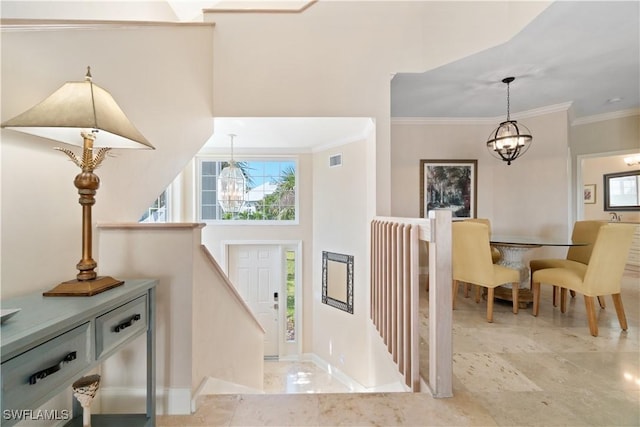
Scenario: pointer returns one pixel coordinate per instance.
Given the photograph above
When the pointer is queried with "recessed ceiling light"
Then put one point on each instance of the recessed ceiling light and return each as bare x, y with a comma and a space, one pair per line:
613, 100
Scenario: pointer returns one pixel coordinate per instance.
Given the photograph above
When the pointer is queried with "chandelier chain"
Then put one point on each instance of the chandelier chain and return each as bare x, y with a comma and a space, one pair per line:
231, 136
508, 103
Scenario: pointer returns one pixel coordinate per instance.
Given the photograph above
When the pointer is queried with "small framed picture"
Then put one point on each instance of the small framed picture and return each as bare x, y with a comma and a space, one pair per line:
589, 193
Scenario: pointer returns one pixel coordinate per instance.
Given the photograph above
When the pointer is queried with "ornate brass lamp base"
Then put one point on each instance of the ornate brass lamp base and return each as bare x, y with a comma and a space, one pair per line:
83, 288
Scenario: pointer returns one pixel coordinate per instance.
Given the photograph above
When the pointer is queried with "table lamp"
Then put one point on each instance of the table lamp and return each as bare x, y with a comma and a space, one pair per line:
82, 109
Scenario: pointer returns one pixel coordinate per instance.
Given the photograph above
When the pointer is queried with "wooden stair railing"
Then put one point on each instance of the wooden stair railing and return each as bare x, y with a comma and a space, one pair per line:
395, 295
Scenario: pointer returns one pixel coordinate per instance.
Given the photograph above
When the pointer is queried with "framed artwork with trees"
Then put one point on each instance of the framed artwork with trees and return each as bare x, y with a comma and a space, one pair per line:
449, 184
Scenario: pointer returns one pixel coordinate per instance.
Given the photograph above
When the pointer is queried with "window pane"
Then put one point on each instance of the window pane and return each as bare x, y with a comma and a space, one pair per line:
270, 195
208, 168
159, 209
209, 198
208, 183
291, 296
208, 212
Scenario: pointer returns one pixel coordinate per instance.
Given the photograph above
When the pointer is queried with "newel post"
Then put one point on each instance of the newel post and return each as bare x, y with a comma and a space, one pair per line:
440, 305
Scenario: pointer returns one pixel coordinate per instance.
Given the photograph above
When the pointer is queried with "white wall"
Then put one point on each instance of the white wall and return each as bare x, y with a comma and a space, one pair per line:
215, 236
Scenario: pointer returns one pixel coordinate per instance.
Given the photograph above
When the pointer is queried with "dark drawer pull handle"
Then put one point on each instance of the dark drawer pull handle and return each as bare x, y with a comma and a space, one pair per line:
126, 323
53, 369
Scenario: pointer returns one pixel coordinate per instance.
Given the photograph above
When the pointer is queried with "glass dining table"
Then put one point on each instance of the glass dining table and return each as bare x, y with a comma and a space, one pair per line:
512, 250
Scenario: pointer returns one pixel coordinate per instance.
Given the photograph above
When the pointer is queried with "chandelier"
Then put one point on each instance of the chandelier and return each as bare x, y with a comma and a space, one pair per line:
509, 140
231, 185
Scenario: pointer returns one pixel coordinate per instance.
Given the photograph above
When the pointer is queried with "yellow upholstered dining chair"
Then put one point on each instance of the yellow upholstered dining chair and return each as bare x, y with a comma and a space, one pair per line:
495, 254
471, 261
577, 256
600, 277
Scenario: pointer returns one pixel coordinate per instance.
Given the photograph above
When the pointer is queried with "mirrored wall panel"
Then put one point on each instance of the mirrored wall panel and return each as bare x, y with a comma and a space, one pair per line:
337, 280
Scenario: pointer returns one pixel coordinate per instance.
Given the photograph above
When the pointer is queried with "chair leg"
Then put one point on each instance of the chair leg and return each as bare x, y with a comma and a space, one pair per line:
515, 287
617, 302
466, 289
478, 293
556, 294
591, 315
536, 297
573, 293
455, 292
563, 300
490, 292
601, 301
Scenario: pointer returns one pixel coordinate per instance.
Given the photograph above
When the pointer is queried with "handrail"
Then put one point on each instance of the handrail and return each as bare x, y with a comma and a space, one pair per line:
230, 286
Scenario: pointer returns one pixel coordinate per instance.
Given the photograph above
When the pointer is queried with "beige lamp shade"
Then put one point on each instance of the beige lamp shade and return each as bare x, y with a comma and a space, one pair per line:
85, 115
76, 107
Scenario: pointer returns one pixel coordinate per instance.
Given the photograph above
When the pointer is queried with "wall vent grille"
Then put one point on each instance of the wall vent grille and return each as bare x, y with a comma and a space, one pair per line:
335, 160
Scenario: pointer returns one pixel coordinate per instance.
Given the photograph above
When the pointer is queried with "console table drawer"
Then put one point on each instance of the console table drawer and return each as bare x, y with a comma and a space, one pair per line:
32, 375
118, 325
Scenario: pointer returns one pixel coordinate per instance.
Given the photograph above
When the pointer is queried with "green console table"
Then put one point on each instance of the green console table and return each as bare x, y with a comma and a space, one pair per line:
53, 341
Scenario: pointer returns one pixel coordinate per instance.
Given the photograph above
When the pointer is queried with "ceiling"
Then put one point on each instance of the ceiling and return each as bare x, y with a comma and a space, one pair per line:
586, 53
191, 10
581, 52
285, 134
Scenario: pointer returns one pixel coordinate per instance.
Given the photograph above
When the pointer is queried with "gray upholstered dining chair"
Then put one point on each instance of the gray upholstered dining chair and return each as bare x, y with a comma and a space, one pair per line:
601, 276
471, 259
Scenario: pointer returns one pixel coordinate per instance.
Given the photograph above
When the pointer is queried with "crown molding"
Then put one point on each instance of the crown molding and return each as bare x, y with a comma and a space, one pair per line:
288, 6
442, 120
255, 151
23, 25
606, 116
480, 120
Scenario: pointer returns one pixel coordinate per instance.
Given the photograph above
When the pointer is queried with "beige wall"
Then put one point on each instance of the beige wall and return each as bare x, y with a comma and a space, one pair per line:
530, 196
336, 59
603, 137
161, 78
188, 331
341, 216
340, 61
593, 170
339, 220
166, 254
338, 64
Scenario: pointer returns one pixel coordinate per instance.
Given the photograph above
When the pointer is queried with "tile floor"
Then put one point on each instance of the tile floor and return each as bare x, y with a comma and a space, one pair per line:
518, 371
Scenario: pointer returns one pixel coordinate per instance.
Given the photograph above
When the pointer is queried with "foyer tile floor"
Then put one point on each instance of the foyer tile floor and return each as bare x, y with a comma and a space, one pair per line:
518, 371
299, 377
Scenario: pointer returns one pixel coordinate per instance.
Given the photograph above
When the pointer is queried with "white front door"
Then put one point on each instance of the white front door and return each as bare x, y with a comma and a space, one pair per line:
256, 272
